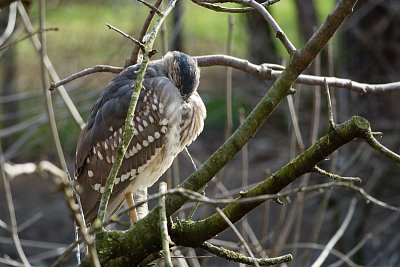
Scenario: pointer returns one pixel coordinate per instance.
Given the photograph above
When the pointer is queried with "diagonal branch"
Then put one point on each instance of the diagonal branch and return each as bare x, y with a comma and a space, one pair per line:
128, 127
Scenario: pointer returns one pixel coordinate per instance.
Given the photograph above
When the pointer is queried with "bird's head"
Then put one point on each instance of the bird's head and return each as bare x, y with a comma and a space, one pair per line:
183, 71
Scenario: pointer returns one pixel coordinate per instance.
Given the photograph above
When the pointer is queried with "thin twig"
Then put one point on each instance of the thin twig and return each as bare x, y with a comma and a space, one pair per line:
371, 140
27, 36
11, 212
138, 43
66, 254
94, 69
329, 104
339, 233
237, 257
153, 8
165, 239
337, 177
295, 122
229, 48
219, 8
66, 188
237, 233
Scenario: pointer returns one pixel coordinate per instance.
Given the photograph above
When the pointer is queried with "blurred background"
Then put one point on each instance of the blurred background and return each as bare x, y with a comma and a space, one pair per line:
366, 49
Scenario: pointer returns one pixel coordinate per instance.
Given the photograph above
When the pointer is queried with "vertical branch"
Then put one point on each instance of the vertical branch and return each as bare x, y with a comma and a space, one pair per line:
128, 127
45, 83
165, 240
229, 120
11, 212
245, 168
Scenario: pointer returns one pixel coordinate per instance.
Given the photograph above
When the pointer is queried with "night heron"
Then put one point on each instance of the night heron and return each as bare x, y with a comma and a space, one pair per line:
168, 117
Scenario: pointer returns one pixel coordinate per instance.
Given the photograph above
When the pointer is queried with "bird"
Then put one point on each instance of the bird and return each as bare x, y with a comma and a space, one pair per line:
168, 117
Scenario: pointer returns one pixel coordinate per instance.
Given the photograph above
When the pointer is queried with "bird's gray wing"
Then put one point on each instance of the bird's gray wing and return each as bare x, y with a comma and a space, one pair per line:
104, 133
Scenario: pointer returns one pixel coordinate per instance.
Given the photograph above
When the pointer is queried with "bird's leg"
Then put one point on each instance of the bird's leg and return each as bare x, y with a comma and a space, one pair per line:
131, 202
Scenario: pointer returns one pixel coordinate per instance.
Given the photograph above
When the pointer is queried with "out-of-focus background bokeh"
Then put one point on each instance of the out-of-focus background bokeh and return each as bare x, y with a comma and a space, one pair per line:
366, 49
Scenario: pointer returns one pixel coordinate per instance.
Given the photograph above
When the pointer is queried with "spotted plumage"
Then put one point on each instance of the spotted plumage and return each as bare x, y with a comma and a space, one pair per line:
169, 116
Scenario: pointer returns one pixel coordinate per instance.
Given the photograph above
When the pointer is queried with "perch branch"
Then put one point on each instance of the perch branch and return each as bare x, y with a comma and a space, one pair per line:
263, 71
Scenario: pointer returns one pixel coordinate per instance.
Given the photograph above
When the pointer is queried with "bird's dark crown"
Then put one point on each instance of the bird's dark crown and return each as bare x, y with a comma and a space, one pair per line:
183, 72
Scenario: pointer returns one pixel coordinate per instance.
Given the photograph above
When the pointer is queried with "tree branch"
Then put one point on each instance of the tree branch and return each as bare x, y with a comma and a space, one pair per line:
138, 246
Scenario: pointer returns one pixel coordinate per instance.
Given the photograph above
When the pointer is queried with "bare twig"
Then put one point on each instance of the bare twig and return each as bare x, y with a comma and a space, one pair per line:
219, 8
153, 8
11, 212
237, 233
165, 239
337, 177
94, 69
295, 122
137, 42
229, 48
329, 104
237, 257
339, 233
5, 46
371, 140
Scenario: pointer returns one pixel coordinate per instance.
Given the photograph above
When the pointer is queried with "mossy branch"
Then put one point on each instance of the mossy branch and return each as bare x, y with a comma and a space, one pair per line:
195, 233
